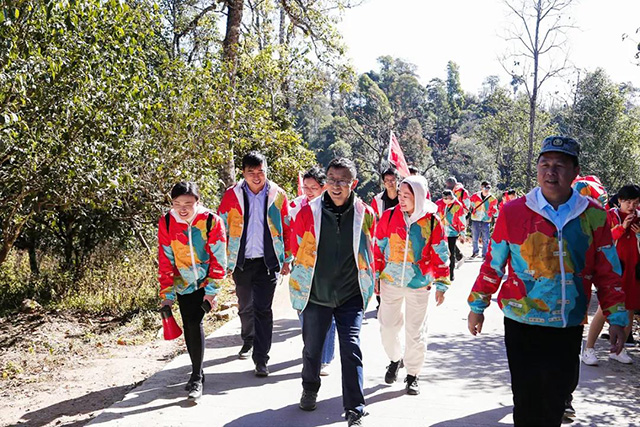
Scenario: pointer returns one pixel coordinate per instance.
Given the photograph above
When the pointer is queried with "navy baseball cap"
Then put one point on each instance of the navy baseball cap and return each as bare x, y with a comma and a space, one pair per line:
560, 144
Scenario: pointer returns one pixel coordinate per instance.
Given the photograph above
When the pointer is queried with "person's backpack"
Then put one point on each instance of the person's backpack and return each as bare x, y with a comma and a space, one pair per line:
167, 221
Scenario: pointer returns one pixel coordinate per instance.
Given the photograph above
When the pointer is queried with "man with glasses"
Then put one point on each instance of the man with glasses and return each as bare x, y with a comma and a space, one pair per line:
255, 213
332, 277
388, 198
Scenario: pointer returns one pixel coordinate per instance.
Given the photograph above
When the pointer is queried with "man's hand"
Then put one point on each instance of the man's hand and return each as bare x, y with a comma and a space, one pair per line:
439, 298
475, 322
617, 338
213, 300
168, 302
286, 269
461, 238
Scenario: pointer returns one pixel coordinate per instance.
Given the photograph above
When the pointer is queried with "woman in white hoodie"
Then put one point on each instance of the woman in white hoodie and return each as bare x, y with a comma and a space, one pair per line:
411, 256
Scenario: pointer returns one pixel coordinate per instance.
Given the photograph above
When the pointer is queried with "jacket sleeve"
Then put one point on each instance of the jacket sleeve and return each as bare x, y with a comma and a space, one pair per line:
607, 276
217, 249
459, 221
492, 268
617, 230
375, 207
436, 253
166, 262
286, 229
381, 242
493, 208
223, 212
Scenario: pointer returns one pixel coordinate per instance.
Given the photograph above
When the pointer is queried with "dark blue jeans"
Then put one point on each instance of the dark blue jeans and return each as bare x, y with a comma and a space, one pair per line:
317, 320
479, 228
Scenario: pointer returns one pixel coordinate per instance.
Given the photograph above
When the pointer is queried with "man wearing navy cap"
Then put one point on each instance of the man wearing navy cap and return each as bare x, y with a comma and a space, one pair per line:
557, 244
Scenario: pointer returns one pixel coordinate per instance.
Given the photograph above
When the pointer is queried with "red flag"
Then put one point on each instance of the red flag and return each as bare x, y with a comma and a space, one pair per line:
396, 157
300, 184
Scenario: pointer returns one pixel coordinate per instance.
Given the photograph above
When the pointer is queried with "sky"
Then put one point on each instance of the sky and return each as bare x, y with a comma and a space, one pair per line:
429, 33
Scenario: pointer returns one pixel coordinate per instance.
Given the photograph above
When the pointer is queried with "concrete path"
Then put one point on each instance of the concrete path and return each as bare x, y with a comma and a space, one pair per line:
465, 380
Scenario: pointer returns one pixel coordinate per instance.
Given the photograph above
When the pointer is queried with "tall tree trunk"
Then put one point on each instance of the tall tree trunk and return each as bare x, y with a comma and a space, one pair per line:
230, 51
533, 99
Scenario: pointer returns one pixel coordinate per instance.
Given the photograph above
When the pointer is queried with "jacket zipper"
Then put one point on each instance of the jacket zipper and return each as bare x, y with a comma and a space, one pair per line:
406, 249
562, 274
193, 258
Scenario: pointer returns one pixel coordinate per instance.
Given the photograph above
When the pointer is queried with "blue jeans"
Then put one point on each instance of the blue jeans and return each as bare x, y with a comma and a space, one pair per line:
317, 321
329, 348
480, 228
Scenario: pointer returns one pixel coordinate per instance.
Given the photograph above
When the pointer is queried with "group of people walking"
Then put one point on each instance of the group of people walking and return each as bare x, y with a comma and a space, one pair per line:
339, 252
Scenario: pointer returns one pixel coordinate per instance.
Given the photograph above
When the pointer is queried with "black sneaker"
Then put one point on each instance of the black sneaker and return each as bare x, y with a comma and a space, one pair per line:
353, 418
245, 351
392, 371
413, 388
474, 255
569, 412
195, 391
261, 369
187, 387
630, 341
308, 400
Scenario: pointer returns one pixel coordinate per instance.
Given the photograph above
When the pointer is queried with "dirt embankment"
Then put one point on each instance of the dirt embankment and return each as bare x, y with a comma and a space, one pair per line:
63, 369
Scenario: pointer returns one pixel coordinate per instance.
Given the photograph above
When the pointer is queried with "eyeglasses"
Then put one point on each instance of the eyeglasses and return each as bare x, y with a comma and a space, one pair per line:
335, 183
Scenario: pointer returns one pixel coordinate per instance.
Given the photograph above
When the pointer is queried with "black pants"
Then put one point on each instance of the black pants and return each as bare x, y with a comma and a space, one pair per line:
255, 286
192, 315
543, 362
453, 252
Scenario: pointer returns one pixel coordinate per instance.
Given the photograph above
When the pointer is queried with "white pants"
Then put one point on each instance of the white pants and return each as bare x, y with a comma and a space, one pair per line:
392, 318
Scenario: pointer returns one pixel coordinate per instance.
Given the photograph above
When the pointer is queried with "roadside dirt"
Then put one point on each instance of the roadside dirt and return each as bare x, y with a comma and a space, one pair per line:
60, 369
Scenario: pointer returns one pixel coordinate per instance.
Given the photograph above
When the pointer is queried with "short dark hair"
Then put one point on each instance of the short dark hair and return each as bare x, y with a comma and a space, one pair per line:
629, 192
447, 193
253, 159
413, 170
343, 163
390, 171
185, 188
485, 183
452, 180
574, 159
316, 173
511, 192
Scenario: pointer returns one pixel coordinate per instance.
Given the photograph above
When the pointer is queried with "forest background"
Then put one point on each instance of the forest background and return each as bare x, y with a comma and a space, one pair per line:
104, 104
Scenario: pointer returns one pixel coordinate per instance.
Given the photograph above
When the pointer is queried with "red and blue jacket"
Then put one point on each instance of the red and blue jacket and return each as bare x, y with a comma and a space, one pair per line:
304, 245
551, 270
463, 196
232, 210
412, 255
483, 209
191, 257
452, 217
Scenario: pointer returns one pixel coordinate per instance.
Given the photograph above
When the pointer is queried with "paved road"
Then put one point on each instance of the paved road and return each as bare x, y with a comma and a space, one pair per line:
465, 380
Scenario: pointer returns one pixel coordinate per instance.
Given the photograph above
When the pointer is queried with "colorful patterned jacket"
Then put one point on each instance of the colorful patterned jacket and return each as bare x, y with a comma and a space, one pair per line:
415, 259
452, 217
232, 209
483, 211
547, 286
463, 196
305, 239
590, 186
188, 258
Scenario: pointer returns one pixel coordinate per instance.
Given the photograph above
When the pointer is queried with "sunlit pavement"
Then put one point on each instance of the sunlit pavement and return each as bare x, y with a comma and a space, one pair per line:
465, 380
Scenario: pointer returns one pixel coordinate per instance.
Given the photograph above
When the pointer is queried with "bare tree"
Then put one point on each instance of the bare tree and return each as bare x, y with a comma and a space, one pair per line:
538, 35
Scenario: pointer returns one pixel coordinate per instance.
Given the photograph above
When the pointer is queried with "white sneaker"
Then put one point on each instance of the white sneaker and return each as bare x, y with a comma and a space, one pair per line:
325, 369
589, 357
623, 357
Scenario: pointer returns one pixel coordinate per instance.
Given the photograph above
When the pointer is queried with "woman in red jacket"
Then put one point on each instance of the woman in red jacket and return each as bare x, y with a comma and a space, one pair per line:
625, 230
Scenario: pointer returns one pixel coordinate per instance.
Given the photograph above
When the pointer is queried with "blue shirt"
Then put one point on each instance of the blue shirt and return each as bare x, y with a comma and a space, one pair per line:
559, 216
255, 230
